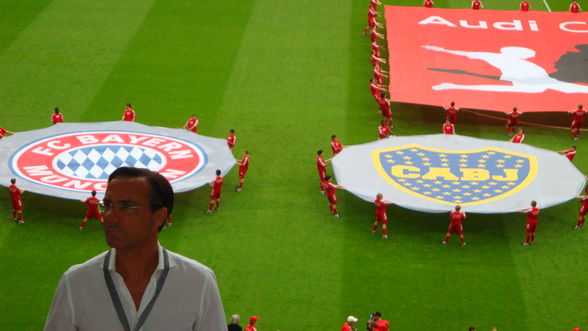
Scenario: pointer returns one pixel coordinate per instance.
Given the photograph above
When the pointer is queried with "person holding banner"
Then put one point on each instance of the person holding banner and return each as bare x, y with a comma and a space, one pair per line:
477, 4
384, 130
243, 167
456, 218
428, 4
519, 137
92, 203
374, 35
379, 74
381, 217
231, 139
191, 124
513, 120
321, 165
376, 89
3, 132
448, 128
451, 112
215, 194
525, 5
374, 4
372, 20
575, 7
16, 197
578, 119
331, 196
128, 114
582, 212
336, 146
570, 153
56, 117
385, 109
532, 219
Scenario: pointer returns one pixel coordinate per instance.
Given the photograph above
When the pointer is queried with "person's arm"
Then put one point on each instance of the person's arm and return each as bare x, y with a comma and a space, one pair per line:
61, 314
213, 314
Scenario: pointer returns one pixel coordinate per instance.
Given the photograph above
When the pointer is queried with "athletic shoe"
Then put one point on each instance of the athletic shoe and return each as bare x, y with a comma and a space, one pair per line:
209, 211
322, 192
463, 244
168, 225
444, 242
216, 209
373, 232
16, 220
385, 236
81, 229
576, 227
337, 215
21, 222
238, 189
525, 244
575, 138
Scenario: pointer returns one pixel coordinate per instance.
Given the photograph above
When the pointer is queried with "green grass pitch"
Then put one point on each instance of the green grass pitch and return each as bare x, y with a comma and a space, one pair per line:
285, 75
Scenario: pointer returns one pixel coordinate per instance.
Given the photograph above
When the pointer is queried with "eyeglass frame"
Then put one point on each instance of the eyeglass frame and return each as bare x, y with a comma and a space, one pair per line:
128, 208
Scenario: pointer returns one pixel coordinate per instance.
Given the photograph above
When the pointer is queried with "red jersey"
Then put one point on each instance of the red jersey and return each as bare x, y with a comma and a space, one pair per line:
570, 154
513, 117
451, 111
321, 165
57, 118
385, 107
231, 140
448, 128
476, 4
381, 325
384, 131
15, 192
129, 115
217, 184
376, 48
457, 217
374, 34
374, 4
92, 203
578, 116
574, 7
532, 215
375, 90
525, 6
336, 147
380, 207
2, 132
244, 163
375, 59
192, 125
330, 189
346, 327
428, 4
250, 328
518, 138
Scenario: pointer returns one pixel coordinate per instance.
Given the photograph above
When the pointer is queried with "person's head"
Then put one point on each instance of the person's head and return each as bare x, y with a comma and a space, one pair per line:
377, 316
218, 172
472, 328
56, 110
580, 106
351, 320
452, 103
137, 204
573, 147
371, 80
333, 137
253, 320
13, 181
382, 123
128, 105
246, 152
319, 152
231, 131
457, 208
447, 122
520, 130
93, 193
514, 109
379, 196
382, 94
194, 116
235, 319
328, 178
533, 203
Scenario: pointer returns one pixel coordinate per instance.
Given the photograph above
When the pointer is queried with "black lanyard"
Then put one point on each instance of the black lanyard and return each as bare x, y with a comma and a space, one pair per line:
116, 299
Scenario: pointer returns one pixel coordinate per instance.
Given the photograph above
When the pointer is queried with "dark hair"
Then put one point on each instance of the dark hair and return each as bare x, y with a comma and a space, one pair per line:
327, 177
452, 103
218, 172
193, 114
514, 108
378, 314
472, 328
319, 152
161, 193
56, 110
231, 130
128, 105
13, 180
246, 152
93, 193
534, 203
458, 207
333, 136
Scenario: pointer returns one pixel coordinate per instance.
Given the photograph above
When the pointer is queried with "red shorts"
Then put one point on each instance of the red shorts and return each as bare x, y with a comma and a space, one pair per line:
242, 173
531, 227
94, 214
17, 204
322, 174
382, 219
195, 130
332, 199
512, 123
452, 117
576, 124
455, 228
215, 195
583, 210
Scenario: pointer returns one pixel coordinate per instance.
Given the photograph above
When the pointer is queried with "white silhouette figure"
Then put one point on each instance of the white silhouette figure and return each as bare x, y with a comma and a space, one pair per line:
525, 76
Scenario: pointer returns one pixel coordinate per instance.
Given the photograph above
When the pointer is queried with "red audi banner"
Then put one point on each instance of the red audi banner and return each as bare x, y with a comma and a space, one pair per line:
488, 59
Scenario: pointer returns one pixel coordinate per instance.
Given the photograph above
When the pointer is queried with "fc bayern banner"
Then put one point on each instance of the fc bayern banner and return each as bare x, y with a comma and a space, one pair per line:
433, 173
69, 160
488, 59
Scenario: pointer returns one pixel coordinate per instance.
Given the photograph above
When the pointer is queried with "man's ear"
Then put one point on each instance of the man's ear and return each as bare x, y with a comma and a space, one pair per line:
159, 217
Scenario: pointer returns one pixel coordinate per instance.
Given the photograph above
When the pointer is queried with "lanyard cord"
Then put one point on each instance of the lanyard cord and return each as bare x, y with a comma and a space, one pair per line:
116, 299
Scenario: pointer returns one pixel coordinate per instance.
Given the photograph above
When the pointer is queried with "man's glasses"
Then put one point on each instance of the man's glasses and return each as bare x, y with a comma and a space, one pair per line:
125, 206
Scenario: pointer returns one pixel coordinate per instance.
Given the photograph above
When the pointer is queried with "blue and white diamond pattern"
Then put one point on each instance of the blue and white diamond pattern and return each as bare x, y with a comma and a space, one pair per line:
99, 161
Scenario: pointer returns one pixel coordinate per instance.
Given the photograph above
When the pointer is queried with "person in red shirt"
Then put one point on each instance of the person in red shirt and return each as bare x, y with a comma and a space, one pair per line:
129, 113
231, 139
378, 324
372, 20
582, 212
451, 112
330, 187
448, 128
191, 124
92, 211
525, 5
243, 167
575, 7
321, 166
477, 4
456, 217
215, 195
513, 120
16, 198
429, 3
376, 89
577, 121
348, 326
384, 130
336, 146
252, 321
56, 117
569, 153
376, 60
3, 132
381, 217
519, 137
385, 109
375, 35
379, 74
376, 48
532, 218
374, 4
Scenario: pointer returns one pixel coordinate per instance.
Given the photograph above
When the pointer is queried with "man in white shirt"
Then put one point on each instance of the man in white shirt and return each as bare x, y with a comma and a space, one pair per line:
137, 284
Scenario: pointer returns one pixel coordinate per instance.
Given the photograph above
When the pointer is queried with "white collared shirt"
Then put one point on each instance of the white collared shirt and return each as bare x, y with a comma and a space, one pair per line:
189, 299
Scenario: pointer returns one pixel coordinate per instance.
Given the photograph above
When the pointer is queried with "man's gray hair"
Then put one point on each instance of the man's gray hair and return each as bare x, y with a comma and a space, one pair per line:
235, 318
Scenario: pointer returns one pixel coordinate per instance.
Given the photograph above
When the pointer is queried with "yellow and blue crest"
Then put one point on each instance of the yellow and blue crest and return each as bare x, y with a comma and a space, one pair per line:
452, 177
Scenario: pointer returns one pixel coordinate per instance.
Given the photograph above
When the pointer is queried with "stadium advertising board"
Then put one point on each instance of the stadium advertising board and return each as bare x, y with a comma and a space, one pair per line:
488, 59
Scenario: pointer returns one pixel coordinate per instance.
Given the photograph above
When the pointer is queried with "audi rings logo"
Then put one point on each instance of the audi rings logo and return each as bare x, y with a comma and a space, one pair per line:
82, 162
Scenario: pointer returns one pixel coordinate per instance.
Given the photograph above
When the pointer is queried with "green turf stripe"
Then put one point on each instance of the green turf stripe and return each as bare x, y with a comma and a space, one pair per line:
63, 57
16, 17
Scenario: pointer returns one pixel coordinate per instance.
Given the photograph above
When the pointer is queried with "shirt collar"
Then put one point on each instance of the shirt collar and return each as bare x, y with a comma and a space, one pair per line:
112, 262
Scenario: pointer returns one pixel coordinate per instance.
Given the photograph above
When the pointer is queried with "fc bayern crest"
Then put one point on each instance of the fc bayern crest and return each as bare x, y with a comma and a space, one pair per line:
456, 177
70, 160
433, 173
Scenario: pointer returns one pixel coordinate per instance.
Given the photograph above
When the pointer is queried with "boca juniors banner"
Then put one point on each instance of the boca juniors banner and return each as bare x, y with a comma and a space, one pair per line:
70, 160
433, 173
488, 59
